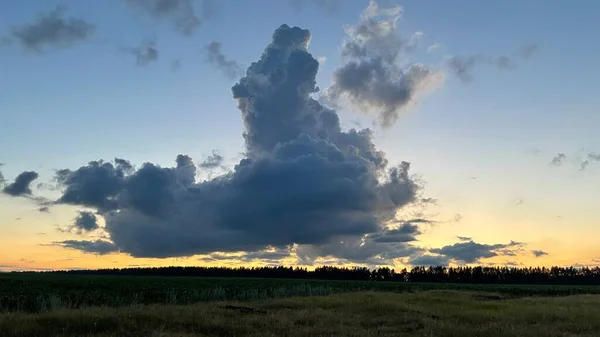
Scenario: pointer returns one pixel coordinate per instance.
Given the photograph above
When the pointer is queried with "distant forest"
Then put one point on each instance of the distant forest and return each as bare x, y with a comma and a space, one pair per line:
479, 275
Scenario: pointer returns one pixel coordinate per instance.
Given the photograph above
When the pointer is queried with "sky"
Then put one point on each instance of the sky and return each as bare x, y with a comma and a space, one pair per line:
298, 132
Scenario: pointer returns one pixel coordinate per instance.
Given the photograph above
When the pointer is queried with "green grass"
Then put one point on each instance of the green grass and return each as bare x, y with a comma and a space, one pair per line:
46, 292
427, 313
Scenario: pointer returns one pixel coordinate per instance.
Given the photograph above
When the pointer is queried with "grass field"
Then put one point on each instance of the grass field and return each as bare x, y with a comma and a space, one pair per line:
41, 293
425, 313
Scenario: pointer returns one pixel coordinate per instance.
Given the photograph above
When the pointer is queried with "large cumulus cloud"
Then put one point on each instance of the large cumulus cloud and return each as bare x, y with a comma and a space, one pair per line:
304, 182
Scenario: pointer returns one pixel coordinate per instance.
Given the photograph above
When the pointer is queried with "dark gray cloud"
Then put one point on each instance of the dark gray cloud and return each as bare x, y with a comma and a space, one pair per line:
145, 53
462, 66
213, 161
52, 29
464, 238
44, 209
327, 6
377, 76
230, 68
471, 252
303, 182
100, 247
85, 222
21, 185
429, 260
185, 15
558, 159
538, 253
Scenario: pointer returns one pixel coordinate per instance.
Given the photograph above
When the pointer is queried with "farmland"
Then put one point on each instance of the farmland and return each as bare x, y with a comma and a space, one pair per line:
47, 292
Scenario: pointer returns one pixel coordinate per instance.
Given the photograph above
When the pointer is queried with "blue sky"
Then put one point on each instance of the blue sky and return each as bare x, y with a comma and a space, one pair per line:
65, 107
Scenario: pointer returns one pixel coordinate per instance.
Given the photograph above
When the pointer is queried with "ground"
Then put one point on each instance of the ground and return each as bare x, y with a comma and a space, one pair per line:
424, 313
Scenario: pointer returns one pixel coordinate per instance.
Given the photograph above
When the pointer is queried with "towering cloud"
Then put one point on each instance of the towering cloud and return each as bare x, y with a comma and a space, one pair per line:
379, 76
305, 184
21, 184
53, 30
184, 15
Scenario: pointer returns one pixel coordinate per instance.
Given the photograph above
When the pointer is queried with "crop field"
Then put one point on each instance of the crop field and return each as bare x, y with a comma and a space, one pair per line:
46, 292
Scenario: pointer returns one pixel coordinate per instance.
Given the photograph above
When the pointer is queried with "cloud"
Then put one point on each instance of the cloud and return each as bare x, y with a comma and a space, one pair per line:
457, 217
85, 222
51, 29
328, 6
432, 48
471, 252
21, 185
591, 157
176, 64
558, 159
44, 209
213, 161
304, 182
378, 75
464, 238
538, 253
145, 53
429, 260
230, 68
518, 202
322, 59
100, 247
184, 16
462, 66
2, 180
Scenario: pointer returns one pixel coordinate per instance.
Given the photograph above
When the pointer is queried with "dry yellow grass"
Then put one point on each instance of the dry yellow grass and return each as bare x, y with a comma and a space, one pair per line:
431, 313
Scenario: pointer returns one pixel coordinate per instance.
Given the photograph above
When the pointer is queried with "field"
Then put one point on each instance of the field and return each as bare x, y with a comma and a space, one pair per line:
426, 313
43, 292
52, 305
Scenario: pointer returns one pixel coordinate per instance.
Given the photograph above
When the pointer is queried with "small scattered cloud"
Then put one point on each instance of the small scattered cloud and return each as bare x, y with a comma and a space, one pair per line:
462, 66
145, 54
230, 68
21, 185
538, 253
44, 209
99, 247
52, 29
558, 159
376, 76
464, 238
213, 161
472, 252
85, 222
185, 16
457, 217
518, 202
176, 64
434, 47
327, 6
322, 59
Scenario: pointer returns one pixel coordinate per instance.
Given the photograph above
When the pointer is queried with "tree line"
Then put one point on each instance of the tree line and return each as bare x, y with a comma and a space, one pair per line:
466, 274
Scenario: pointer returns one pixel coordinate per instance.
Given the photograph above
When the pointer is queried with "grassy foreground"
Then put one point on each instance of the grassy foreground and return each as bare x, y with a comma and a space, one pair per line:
427, 313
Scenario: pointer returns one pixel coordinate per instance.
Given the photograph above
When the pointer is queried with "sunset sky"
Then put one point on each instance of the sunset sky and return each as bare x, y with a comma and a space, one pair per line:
495, 106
